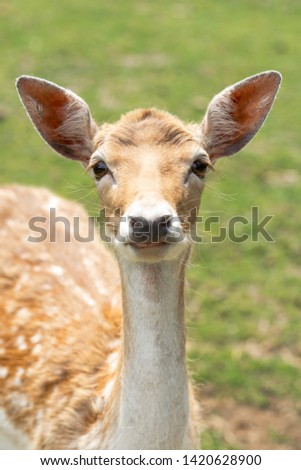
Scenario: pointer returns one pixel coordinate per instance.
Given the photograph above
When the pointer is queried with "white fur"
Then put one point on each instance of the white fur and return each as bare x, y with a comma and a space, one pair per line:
21, 343
148, 208
3, 372
154, 395
10, 437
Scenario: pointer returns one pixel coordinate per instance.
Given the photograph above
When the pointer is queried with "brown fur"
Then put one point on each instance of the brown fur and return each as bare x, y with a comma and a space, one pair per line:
143, 125
59, 387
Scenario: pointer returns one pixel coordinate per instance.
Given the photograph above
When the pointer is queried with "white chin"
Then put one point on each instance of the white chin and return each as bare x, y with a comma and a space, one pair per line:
152, 253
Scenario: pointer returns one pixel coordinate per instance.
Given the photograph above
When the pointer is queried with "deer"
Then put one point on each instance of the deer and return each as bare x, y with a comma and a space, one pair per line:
93, 341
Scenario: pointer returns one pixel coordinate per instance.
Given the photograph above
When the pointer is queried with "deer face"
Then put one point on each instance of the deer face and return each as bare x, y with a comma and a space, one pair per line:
149, 167
149, 171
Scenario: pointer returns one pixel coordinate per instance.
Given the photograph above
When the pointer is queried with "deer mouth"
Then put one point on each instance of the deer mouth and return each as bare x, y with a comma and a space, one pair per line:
148, 245
154, 252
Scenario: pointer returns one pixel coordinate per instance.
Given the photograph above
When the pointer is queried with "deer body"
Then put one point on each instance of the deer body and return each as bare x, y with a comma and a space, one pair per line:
92, 351
46, 295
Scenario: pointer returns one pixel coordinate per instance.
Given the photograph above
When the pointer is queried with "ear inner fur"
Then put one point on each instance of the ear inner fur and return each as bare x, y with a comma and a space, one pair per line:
236, 114
60, 116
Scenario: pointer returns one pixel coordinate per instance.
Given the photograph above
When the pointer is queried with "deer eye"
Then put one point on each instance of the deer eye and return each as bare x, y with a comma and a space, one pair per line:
199, 168
100, 170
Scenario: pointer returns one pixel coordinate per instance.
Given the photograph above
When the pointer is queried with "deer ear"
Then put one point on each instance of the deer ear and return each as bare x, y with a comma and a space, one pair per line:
236, 114
60, 116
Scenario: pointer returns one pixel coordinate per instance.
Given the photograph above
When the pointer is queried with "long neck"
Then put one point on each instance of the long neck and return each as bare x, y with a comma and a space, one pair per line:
154, 389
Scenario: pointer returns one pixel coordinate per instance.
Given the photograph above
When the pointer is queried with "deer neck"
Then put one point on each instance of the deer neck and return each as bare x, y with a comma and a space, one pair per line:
154, 388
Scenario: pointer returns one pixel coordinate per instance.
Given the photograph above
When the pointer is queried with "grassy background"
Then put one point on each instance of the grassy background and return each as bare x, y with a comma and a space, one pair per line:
244, 300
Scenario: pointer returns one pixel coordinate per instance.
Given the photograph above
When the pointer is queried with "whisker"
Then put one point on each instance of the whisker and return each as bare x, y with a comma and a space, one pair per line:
224, 196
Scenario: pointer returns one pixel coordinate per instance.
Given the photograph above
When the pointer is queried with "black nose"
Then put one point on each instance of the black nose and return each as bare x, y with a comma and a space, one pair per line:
143, 230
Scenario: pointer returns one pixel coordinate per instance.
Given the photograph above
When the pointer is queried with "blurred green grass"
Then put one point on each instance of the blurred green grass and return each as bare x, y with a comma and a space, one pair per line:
244, 301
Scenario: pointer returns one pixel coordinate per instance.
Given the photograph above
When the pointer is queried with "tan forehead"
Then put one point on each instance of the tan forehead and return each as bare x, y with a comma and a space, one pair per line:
147, 132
